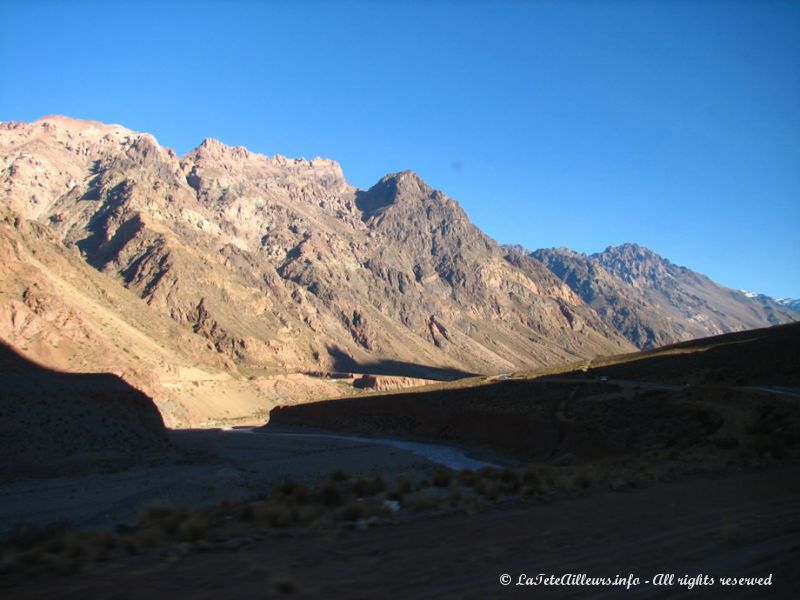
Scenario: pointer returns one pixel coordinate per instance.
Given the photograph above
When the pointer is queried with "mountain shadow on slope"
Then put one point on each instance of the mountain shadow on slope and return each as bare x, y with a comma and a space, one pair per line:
343, 362
54, 423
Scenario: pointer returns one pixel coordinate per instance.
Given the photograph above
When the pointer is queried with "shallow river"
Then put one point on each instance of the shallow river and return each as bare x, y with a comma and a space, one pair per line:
449, 456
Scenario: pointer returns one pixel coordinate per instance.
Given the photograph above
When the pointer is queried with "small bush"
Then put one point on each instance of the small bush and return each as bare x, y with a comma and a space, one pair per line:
75, 547
301, 495
339, 475
404, 483
353, 511
306, 514
456, 497
194, 528
150, 537
487, 488
331, 495
422, 501
274, 514
132, 546
284, 585
732, 534
583, 481
166, 517
367, 486
488, 473
467, 477
286, 487
531, 477
441, 477
510, 481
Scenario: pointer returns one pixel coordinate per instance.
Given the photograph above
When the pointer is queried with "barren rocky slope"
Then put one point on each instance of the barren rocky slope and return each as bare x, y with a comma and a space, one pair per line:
60, 312
653, 302
282, 265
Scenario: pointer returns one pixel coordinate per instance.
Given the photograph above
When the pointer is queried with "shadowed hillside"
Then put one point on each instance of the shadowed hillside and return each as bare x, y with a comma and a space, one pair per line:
701, 395
767, 357
52, 423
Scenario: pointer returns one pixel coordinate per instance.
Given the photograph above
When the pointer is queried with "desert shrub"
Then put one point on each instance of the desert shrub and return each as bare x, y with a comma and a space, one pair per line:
530, 490
510, 481
374, 508
767, 445
487, 488
152, 536
422, 501
583, 480
31, 557
456, 497
564, 482
101, 546
247, 513
194, 528
441, 477
403, 485
488, 473
732, 534
339, 475
306, 514
531, 476
63, 565
331, 495
286, 487
284, 585
467, 477
301, 495
166, 517
274, 514
352, 511
369, 485
132, 545
75, 547
54, 544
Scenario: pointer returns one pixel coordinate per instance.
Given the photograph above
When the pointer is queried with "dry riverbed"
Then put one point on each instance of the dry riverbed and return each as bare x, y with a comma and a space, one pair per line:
209, 466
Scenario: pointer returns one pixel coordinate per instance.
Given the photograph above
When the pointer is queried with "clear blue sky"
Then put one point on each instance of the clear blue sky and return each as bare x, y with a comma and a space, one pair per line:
582, 124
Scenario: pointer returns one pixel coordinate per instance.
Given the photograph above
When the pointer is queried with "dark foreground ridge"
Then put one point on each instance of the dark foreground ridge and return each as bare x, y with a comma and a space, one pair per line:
56, 423
681, 395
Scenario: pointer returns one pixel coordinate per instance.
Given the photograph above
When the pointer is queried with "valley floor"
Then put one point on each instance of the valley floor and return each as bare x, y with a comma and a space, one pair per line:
208, 466
744, 524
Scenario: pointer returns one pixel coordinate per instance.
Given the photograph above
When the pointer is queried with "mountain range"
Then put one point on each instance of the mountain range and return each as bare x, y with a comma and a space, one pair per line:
229, 272
653, 302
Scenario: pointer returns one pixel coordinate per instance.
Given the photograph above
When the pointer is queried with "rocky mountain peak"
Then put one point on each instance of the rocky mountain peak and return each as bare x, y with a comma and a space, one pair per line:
395, 188
212, 148
633, 263
652, 301
628, 251
224, 164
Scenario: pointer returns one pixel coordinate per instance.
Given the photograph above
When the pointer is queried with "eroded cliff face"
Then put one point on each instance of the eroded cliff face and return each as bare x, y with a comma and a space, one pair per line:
281, 264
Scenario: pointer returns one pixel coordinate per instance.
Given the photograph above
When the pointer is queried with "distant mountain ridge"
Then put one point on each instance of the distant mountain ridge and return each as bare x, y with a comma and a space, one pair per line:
790, 303
652, 301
